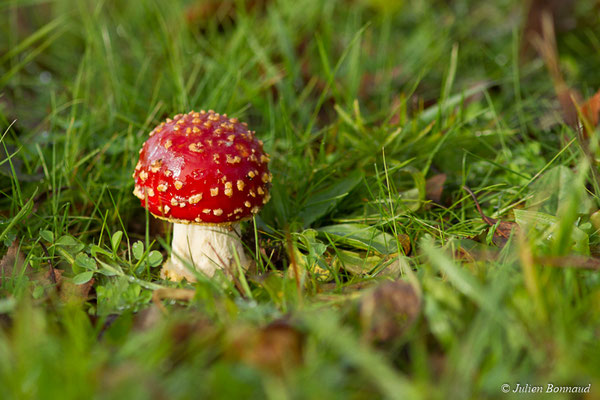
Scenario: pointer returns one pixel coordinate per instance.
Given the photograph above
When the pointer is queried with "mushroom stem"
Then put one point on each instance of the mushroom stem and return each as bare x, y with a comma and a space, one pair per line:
205, 249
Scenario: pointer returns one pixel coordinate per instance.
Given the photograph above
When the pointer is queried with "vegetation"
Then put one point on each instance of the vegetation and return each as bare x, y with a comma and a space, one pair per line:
376, 277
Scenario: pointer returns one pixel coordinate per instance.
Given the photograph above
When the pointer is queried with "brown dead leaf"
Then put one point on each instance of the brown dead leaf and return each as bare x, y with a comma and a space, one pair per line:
434, 187
276, 348
405, 242
590, 110
52, 277
54, 282
503, 228
72, 293
13, 262
389, 310
67, 291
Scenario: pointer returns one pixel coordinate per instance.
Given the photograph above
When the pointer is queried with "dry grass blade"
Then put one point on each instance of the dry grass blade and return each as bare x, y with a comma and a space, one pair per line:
573, 261
568, 98
546, 47
561, 12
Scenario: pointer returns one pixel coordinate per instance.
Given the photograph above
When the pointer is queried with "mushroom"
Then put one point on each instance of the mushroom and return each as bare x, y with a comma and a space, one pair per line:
206, 173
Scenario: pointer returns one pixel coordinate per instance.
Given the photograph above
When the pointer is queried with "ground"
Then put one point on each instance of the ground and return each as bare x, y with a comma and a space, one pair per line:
387, 124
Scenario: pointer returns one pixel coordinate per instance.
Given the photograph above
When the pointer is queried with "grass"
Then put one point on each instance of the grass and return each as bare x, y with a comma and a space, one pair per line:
359, 104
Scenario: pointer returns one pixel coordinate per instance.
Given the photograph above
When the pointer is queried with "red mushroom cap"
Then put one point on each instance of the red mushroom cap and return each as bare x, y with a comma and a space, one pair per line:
202, 168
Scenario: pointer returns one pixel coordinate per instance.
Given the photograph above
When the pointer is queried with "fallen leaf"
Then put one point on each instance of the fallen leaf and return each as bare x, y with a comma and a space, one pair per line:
404, 241
52, 277
590, 110
69, 292
434, 187
13, 262
503, 228
277, 347
389, 310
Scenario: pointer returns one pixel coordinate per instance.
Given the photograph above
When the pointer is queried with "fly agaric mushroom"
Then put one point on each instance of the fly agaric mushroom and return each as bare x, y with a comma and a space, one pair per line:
204, 172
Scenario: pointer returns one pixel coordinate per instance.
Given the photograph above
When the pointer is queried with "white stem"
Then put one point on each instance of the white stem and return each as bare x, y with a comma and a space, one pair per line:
204, 248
